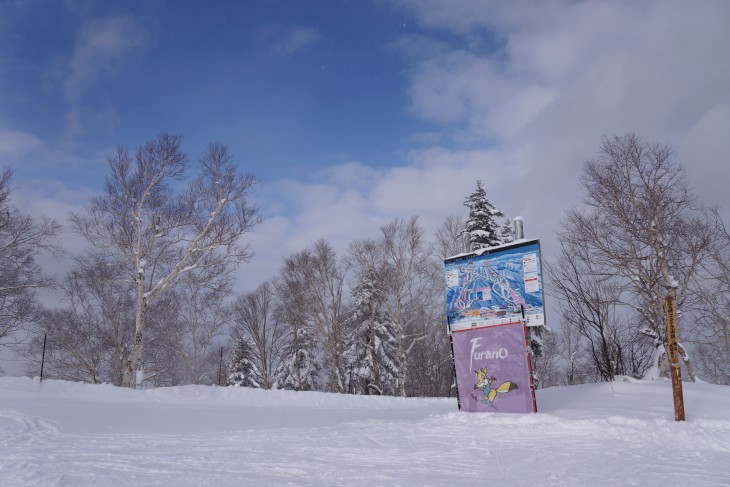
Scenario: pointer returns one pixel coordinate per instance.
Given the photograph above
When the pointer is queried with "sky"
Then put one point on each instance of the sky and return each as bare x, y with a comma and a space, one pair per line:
352, 113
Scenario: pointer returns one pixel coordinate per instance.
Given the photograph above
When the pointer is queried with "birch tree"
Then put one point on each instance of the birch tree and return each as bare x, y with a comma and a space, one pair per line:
641, 222
165, 225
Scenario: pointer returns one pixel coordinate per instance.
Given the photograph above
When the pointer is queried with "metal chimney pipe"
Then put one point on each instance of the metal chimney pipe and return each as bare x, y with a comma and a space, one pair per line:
519, 228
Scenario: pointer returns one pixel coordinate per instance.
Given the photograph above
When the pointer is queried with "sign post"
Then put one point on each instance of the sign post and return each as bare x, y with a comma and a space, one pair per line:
670, 305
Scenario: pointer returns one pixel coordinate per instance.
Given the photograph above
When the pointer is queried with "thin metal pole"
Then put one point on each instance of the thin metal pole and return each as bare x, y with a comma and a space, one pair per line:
220, 367
43, 357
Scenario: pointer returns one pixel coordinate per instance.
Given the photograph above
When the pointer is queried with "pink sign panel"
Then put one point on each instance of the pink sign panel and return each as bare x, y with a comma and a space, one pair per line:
492, 369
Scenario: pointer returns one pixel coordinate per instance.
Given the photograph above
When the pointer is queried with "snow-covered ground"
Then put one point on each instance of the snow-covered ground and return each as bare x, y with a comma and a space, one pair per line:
69, 434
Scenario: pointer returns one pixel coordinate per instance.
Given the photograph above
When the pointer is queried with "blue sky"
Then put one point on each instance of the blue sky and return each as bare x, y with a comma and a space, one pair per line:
290, 86
351, 113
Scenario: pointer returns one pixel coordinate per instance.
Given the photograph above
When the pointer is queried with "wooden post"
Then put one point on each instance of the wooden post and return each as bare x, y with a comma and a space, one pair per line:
670, 305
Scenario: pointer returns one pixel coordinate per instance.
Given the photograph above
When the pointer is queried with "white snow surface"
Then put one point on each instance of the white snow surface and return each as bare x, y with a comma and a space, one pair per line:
58, 433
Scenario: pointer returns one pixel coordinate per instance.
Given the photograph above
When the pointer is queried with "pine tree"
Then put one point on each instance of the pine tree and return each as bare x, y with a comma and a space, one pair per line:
534, 336
299, 369
372, 347
507, 234
242, 371
484, 230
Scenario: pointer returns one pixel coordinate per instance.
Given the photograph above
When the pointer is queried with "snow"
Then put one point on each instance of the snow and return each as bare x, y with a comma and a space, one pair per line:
496, 247
623, 433
672, 282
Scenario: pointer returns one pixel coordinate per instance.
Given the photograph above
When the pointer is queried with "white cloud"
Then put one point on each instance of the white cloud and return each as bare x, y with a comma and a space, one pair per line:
100, 49
296, 39
14, 144
351, 201
566, 73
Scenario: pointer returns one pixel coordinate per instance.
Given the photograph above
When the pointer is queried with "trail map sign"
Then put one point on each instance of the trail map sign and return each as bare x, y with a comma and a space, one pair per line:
492, 295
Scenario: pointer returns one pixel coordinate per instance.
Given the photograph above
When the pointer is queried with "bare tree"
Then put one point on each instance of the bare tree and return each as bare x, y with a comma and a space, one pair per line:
21, 240
77, 350
195, 320
256, 323
579, 367
588, 300
447, 240
163, 234
640, 223
429, 361
89, 337
712, 307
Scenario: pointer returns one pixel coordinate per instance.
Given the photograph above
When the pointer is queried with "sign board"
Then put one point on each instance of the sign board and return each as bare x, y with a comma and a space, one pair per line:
492, 296
494, 286
493, 370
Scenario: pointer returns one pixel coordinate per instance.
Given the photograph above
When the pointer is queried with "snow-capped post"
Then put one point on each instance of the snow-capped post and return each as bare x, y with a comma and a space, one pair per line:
676, 373
519, 228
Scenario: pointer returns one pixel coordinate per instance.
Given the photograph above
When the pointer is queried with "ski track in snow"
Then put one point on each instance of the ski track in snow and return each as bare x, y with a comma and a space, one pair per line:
55, 440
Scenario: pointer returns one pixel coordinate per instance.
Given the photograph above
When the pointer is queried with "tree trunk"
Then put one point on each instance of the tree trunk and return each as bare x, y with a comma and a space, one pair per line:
401, 363
401, 348
687, 362
373, 351
134, 372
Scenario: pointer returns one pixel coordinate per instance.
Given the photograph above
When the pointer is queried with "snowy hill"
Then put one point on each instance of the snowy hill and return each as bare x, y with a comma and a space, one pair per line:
69, 434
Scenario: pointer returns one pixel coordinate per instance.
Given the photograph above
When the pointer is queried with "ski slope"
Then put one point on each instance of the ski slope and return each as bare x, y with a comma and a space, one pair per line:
58, 433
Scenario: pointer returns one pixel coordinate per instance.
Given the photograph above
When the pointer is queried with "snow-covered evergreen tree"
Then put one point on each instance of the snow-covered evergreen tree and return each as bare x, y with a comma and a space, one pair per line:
534, 335
299, 368
482, 223
507, 233
242, 370
372, 347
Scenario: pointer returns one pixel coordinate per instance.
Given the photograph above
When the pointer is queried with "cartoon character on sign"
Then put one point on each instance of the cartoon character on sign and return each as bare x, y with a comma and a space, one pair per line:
484, 384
